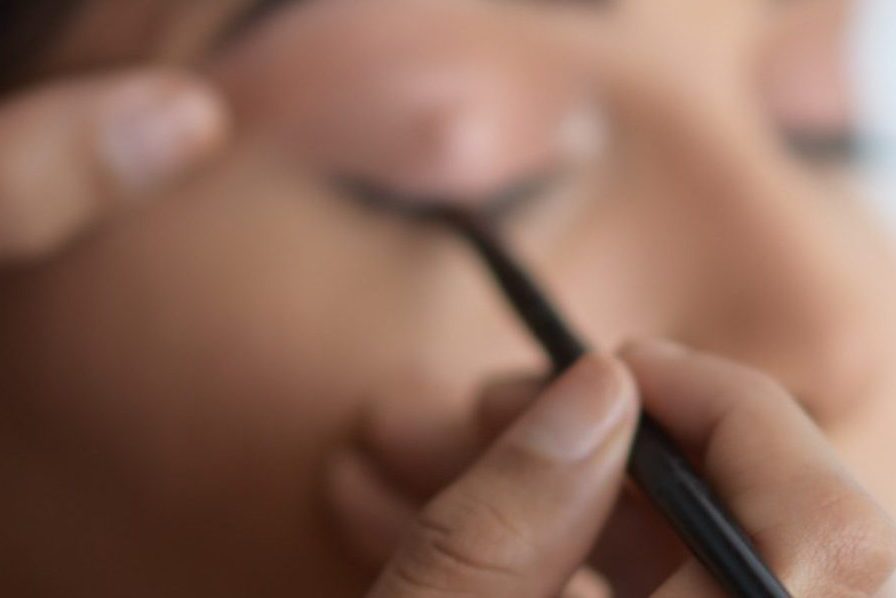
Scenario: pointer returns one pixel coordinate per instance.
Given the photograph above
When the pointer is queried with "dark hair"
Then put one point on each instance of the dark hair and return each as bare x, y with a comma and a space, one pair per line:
26, 28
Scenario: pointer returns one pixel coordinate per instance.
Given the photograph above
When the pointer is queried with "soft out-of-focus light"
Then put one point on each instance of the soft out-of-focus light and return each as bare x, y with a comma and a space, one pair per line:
873, 63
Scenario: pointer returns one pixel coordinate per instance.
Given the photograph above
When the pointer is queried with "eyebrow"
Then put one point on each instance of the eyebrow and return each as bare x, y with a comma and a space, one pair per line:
255, 11
27, 28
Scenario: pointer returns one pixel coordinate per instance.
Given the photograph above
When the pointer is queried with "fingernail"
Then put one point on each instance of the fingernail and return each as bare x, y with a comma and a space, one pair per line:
154, 132
576, 415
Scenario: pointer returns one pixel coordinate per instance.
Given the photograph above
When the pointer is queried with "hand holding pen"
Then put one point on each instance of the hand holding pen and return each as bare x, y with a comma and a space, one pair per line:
522, 519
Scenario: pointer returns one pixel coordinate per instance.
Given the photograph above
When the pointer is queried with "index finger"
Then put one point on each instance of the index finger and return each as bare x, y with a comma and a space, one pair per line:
817, 528
71, 151
521, 520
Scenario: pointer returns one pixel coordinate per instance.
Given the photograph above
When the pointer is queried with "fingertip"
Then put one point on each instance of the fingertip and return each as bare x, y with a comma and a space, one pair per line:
102, 140
157, 127
605, 373
587, 583
581, 411
671, 374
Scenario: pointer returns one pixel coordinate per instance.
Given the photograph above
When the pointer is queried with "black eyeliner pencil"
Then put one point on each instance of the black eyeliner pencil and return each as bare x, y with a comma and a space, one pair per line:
656, 464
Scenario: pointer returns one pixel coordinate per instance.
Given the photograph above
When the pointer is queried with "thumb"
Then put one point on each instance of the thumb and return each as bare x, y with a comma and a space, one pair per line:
523, 518
70, 150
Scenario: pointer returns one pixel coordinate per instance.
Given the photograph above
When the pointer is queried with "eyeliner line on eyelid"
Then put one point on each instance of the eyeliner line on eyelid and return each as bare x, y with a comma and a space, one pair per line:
498, 208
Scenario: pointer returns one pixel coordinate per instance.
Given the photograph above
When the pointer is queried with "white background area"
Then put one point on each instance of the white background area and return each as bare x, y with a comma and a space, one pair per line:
873, 64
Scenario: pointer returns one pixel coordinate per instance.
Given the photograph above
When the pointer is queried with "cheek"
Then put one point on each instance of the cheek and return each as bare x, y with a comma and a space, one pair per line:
205, 355
283, 301
782, 275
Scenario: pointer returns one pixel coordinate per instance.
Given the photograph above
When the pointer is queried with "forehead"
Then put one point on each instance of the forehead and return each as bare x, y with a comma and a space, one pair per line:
109, 33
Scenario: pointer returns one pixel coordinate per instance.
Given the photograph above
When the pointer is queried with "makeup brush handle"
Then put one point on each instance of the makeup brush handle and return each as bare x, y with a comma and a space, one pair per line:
656, 464
690, 507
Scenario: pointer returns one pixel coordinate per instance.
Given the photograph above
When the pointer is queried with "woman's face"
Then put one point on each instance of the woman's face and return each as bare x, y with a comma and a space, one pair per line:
186, 368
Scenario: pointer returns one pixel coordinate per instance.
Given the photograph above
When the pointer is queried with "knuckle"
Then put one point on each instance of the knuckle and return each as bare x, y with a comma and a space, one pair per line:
858, 549
866, 554
462, 543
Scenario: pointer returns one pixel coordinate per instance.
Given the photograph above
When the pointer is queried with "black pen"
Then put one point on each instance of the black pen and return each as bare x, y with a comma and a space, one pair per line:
656, 464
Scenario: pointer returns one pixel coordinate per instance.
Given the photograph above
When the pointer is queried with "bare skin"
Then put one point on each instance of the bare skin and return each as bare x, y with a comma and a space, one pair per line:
522, 518
177, 378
